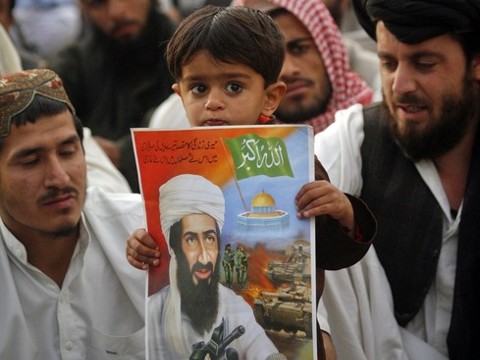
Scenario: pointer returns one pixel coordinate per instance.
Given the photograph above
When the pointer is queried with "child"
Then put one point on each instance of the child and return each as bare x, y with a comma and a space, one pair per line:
226, 63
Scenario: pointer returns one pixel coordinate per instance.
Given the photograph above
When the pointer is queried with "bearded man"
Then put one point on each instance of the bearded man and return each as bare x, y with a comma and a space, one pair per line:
116, 74
415, 160
195, 307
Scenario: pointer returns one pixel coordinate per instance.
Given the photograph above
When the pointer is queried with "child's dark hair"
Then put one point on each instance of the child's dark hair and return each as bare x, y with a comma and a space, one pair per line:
231, 34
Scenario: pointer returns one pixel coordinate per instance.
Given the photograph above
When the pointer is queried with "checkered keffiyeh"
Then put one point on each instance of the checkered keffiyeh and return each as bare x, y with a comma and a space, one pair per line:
347, 86
18, 90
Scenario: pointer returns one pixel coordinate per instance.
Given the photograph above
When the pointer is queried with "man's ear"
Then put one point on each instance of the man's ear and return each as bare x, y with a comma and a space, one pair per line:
273, 95
476, 67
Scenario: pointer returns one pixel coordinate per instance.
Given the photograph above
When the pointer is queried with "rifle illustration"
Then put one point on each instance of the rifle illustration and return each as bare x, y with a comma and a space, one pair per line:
216, 348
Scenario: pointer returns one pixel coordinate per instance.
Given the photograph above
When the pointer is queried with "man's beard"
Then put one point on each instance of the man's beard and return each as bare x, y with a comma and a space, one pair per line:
62, 232
300, 112
133, 51
442, 133
199, 302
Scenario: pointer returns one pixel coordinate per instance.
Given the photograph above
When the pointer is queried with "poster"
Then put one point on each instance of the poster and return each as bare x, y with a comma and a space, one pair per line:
236, 279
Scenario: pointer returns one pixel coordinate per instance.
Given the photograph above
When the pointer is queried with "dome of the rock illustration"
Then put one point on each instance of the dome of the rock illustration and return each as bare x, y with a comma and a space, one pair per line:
263, 199
263, 214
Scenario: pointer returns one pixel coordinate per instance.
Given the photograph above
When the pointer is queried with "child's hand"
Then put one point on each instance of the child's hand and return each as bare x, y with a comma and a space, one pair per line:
322, 198
142, 250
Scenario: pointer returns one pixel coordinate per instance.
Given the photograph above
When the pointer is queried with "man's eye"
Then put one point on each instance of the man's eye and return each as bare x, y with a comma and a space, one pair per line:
199, 89
211, 238
190, 240
67, 153
234, 88
300, 46
425, 65
211, 241
388, 65
299, 49
29, 161
68, 150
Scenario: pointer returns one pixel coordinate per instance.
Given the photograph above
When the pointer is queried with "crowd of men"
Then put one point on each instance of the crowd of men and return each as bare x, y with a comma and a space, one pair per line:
401, 134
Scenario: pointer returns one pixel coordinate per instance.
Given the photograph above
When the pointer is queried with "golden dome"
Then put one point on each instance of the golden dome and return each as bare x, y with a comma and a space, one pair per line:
263, 199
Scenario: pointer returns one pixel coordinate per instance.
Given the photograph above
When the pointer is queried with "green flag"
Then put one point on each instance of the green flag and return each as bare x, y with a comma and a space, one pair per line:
254, 155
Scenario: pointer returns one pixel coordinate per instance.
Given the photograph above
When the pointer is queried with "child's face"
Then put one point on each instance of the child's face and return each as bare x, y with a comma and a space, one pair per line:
216, 93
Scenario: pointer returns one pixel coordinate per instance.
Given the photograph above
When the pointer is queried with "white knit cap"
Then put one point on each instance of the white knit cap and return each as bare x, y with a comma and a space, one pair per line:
188, 194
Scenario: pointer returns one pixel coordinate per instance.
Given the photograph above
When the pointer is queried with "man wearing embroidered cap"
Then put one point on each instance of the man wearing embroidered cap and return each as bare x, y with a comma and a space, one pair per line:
187, 312
415, 159
59, 243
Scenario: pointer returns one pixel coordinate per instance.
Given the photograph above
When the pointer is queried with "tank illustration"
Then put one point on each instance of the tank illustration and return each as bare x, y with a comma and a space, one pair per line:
295, 267
288, 309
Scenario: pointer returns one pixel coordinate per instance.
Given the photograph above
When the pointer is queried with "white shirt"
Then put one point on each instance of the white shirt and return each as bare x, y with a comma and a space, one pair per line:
170, 114
48, 28
338, 148
9, 58
98, 311
101, 172
252, 345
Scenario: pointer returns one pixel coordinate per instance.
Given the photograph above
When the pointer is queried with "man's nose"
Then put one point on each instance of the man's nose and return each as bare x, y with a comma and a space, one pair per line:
290, 66
404, 80
55, 173
203, 256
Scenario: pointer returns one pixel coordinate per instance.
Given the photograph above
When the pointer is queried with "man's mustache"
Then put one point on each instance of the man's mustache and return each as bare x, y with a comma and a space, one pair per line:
409, 98
121, 23
198, 266
52, 194
296, 79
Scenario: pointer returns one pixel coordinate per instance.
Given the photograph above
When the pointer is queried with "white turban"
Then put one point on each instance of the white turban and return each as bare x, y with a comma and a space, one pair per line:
189, 194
